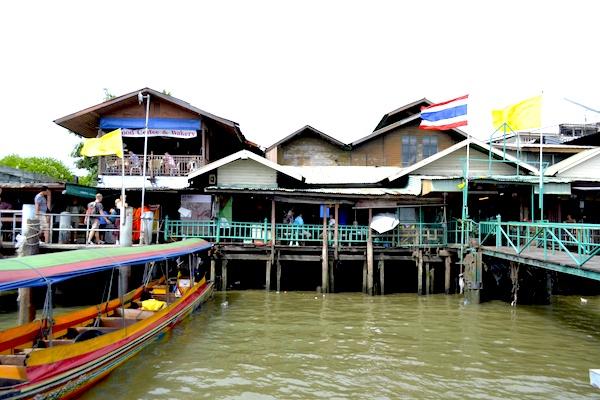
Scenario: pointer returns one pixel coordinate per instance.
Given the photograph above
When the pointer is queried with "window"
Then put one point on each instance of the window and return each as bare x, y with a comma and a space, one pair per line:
409, 150
430, 146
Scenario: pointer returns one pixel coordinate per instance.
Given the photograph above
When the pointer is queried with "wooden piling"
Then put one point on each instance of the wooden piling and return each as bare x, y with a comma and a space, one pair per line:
31, 231
419, 272
370, 256
364, 277
224, 274
324, 256
431, 280
427, 278
447, 263
331, 276
381, 267
268, 276
278, 274
213, 264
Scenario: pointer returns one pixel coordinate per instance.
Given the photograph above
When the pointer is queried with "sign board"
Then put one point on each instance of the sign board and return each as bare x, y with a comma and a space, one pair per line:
175, 133
80, 191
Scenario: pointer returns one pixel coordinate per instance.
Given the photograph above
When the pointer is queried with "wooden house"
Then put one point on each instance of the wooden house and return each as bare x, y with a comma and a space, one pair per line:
192, 137
181, 139
309, 146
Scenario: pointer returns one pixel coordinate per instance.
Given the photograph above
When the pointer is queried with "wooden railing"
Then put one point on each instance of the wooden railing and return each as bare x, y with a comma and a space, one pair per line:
580, 242
157, 165
222, 231
67, 228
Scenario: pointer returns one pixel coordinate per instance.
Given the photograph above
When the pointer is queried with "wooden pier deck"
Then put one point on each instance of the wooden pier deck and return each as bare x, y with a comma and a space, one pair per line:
555, 261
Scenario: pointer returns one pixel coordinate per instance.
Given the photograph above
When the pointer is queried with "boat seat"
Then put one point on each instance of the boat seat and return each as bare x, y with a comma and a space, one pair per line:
116, 322
134, 313
73, 332
13, 359
44, 343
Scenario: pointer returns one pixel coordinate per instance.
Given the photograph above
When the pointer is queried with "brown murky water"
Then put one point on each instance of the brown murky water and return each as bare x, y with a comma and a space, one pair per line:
300, 345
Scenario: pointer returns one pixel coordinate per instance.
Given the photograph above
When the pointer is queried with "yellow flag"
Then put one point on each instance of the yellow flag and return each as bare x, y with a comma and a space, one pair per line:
524, 115
111, 143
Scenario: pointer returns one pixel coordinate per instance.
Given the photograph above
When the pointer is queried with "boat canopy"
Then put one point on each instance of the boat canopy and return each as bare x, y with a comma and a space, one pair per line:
39, 270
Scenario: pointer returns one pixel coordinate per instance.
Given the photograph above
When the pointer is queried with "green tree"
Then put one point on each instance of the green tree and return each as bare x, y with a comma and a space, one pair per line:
39, 165
88, 163
108, 95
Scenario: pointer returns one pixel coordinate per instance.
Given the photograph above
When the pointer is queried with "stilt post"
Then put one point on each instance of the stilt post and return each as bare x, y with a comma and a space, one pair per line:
447, 264
278, 274
370, 256
31, 230
381, 267
268, 276
427, 278
324, 255
420, 272
224, 274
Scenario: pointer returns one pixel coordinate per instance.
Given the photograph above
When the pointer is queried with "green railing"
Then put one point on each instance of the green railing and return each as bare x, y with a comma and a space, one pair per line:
580, 242
404, 235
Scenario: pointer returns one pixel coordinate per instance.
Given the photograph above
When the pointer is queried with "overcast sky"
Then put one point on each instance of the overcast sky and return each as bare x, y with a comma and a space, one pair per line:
274, 67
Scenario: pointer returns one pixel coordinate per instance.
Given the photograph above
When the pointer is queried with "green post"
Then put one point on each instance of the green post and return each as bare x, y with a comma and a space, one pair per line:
498, 230
166, 228
218, 229
265, 232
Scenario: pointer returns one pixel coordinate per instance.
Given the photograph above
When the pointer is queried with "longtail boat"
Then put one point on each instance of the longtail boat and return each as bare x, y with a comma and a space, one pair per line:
59, 357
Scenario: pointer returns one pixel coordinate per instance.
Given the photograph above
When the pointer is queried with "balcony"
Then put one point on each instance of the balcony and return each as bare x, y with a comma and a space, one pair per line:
156, 165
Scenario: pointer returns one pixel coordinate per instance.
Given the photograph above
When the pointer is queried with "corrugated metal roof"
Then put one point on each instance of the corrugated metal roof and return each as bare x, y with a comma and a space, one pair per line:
519, 179
244, 155
571, 162
413, 188
343, 175
469, 142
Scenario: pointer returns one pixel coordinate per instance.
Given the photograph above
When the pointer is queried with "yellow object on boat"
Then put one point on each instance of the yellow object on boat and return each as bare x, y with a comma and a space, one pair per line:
153, 305
159, 290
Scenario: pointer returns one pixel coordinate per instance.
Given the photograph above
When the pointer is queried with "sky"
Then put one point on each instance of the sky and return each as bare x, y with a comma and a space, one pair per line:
275, 66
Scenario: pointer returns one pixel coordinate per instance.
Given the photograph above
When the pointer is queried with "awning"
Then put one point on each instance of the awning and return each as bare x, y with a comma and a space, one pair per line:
554, 188
38, 270
107, 123
80, 191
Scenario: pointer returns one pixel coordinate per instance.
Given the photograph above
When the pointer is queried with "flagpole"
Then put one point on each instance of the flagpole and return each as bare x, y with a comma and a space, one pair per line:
122, 212
541, 188
141, 100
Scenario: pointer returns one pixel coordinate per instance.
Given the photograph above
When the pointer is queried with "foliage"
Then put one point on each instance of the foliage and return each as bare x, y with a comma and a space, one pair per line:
108, 95
88, 163
167, 92
39, 165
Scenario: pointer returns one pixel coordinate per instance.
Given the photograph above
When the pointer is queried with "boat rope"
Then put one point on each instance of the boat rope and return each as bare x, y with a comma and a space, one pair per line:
109, 284
47, 312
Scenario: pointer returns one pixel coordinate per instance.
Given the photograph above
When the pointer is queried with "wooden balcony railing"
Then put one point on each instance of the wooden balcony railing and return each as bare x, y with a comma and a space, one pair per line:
157, 165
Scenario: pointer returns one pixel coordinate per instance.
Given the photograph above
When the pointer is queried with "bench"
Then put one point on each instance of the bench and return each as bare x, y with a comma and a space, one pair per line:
13, 359
116, 322
133, 313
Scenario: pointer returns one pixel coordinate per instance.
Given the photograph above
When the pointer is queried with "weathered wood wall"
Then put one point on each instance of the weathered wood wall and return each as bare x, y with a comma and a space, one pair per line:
247, 173
311, 151
386, 149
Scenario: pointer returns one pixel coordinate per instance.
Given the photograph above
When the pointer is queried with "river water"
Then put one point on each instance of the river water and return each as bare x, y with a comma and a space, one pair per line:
301, 345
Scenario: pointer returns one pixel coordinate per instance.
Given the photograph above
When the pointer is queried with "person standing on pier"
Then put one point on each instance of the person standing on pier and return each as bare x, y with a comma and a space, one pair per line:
43, 201
93, 215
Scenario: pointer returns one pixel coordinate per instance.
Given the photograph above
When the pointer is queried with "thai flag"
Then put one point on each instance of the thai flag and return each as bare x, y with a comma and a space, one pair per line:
447, 115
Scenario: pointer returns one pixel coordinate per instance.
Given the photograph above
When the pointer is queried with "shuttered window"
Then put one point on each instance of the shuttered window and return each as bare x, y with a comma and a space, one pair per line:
430, 146
409, 150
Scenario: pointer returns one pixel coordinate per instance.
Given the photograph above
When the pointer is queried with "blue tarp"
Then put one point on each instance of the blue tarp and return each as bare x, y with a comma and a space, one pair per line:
107, 123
